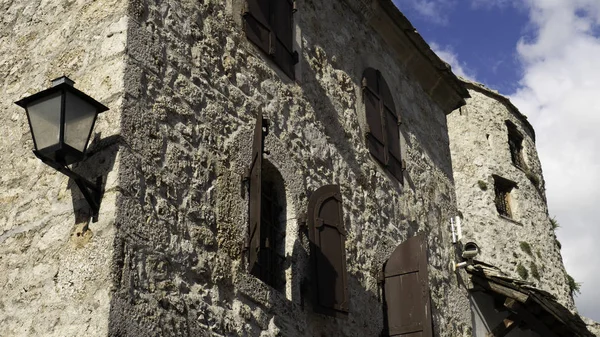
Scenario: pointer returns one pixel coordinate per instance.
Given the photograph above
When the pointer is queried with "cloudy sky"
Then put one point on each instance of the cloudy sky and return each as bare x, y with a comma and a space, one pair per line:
545, 55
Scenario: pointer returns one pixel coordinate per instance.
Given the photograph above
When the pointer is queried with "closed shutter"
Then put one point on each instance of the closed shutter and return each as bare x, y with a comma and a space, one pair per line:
283, 26
328, 250
257, 23
375, 134
260, 131
383, 135
269, 24
406, 289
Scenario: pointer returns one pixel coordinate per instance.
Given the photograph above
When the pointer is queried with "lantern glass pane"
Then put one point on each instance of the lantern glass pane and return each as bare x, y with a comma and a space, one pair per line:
44, 116
79, 120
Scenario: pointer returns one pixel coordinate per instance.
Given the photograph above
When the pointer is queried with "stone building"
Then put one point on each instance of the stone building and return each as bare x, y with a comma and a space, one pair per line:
501, 199
265, 173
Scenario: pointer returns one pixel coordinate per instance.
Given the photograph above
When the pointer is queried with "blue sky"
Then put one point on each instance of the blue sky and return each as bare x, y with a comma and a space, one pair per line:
483, 38
545, 56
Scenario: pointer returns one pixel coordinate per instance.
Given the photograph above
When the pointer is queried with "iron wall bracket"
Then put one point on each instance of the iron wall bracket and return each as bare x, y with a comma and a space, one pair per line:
92, 192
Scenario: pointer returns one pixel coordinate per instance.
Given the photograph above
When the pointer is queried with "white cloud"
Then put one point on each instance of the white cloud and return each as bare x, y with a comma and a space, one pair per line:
450, 57
434, 11
560, 92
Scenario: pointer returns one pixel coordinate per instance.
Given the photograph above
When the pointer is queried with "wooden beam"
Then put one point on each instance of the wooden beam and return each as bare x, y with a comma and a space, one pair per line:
533, 322
506, 326
500, 289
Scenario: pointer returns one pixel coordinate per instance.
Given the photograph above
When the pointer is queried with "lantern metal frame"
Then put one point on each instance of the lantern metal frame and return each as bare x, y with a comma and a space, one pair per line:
61, 154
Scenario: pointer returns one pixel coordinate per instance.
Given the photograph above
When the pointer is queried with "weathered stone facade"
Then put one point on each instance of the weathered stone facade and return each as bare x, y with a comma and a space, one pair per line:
523, 245
183, 213
184, 85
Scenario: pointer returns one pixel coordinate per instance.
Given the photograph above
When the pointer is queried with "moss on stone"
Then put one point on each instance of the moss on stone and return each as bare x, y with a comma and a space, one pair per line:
482, 185
534, 270
533, 178
526, 248
522, 271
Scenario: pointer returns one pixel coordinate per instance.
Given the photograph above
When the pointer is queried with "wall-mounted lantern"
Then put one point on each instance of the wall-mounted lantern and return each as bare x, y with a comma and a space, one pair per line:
61, 119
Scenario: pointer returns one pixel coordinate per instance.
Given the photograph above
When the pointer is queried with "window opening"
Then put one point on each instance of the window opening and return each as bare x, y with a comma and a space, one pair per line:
515, 144
273, 219
267, 214
502, 189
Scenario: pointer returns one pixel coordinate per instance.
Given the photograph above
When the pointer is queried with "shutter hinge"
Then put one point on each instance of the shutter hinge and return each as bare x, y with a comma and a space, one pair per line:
380, 277
302, 221
294, 7
245, 9
399, 120
246, 175
265, 127
403, 165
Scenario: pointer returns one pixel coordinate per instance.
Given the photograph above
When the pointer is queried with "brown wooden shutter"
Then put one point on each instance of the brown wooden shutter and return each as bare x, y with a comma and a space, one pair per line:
375, 134
383, 136
328, 250
406, 290
257, 24
260, 131
391, 122
283, 26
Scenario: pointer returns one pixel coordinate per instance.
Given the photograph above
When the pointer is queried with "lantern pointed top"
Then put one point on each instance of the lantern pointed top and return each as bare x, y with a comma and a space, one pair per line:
61, 80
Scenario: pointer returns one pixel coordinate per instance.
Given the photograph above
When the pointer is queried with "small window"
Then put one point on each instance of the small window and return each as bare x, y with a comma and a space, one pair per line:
383, 123
272, 222
515, 144
269, 24
266, 256
502, 189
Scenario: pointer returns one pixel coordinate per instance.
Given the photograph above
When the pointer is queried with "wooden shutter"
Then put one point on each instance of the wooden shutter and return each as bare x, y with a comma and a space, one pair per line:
406, 290
269, 24
383, 135
260, 131
257, 24
391, 121
283, 26
375, 134
328, 238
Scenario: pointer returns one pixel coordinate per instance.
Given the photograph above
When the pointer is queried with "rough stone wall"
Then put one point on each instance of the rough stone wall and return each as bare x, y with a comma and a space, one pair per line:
194, 85
479, 146
54, 275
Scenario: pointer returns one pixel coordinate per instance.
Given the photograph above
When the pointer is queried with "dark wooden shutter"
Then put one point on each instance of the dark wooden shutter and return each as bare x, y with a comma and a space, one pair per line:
283, 26
260, 131
328, 250
375, 134
269, 24
406, 289
257, 24
383, 135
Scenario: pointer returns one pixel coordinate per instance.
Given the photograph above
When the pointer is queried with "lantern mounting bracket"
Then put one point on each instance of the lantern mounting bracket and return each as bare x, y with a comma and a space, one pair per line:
92, 192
